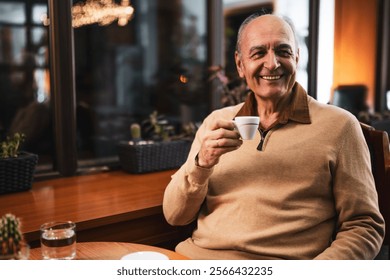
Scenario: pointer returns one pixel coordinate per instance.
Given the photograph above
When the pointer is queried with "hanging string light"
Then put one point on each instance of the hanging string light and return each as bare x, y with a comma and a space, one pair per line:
102, 12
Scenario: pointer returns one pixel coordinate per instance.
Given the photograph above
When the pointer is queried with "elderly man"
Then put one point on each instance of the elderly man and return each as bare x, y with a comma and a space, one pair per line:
303, 189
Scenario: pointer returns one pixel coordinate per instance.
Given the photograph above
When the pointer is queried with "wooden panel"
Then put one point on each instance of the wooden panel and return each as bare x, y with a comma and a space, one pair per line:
355, 44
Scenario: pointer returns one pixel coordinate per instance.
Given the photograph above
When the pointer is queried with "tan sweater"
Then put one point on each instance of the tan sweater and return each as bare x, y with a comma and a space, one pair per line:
309, 194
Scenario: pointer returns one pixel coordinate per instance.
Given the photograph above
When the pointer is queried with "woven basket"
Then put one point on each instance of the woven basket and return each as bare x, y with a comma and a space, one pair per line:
156, 156
16, 174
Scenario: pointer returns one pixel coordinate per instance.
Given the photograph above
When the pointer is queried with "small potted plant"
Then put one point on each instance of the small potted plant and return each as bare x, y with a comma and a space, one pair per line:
12, 245
16, 167
155, 145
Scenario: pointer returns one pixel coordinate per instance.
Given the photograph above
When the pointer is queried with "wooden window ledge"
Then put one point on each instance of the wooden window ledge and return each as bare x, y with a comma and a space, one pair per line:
112, 206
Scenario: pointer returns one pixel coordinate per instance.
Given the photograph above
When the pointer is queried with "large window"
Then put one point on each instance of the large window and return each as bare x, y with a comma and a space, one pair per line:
157, 61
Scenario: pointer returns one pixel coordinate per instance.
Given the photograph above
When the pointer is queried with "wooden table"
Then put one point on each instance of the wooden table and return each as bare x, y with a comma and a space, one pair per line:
109, 206
110, 251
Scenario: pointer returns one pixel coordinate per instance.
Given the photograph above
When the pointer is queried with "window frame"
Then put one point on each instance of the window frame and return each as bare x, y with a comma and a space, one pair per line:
62, 78
382, 83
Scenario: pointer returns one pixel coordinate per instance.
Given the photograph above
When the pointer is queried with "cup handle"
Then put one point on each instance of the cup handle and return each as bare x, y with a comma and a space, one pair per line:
235, 126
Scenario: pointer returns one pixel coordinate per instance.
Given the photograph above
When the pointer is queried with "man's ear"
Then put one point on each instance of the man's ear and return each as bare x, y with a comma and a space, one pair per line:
239, 65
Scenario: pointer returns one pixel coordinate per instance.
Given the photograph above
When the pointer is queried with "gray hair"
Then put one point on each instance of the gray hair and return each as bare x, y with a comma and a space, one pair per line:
256, 15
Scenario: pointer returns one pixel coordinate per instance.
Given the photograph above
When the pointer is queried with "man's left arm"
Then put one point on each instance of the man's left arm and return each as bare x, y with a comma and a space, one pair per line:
360, 225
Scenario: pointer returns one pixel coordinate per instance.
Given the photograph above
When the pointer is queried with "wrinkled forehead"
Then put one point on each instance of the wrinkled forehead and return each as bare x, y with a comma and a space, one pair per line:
269, 29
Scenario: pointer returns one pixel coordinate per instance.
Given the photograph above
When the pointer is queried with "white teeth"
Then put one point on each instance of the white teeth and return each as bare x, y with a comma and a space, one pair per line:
271, 77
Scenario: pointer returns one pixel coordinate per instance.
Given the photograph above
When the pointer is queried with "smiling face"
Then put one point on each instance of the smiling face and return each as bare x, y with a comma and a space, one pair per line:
267, 57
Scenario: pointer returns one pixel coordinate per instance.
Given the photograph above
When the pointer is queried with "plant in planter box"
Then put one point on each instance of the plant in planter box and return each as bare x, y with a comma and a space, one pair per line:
16, 167
10, 148
155, 146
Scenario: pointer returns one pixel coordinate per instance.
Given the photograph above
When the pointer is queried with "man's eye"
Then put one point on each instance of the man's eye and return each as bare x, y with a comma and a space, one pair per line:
284, 53
258, 55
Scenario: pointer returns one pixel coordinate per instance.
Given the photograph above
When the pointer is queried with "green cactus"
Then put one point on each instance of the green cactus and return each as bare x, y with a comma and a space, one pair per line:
10, 235
135, 130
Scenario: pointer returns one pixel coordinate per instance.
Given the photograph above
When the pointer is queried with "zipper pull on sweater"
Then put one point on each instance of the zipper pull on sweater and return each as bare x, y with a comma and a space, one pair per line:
262, 135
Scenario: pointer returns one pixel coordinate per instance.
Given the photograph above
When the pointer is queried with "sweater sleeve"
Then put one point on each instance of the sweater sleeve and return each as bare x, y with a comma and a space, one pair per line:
188, 187
360, 225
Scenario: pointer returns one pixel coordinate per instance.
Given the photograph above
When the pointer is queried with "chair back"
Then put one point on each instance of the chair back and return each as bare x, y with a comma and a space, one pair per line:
351, 98
378, 143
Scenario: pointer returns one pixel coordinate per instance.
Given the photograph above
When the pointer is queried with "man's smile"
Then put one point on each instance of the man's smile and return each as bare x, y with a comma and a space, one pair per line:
271, 77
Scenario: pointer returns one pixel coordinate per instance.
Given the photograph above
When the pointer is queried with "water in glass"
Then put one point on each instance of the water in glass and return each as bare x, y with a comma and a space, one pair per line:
58, 242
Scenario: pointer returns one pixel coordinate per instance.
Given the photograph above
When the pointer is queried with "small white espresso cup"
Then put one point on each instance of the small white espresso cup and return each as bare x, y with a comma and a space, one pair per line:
247, 126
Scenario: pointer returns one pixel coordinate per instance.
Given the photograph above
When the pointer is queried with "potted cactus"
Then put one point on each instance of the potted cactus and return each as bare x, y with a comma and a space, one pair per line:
155, 146
135, 132
11, 239
16, 167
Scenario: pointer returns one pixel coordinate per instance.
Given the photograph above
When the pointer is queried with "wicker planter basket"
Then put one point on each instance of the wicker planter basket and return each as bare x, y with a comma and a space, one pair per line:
16, 174
151, 157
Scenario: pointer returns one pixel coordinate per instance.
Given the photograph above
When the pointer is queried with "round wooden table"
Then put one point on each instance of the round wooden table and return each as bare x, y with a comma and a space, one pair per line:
110, 251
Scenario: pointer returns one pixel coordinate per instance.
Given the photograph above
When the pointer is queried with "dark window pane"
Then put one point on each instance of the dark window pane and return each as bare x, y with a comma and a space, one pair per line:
12, 44
25, 101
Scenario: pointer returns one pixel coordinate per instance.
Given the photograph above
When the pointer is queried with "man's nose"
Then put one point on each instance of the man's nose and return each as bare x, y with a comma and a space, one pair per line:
272, 61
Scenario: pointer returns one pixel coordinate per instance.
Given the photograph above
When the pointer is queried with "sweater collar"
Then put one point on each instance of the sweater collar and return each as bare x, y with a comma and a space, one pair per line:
298, 109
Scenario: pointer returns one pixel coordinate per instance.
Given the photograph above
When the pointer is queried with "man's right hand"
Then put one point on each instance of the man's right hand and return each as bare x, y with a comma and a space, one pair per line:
221, 138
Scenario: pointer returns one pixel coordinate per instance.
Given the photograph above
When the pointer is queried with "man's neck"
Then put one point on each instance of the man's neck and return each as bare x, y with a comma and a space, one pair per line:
270, 110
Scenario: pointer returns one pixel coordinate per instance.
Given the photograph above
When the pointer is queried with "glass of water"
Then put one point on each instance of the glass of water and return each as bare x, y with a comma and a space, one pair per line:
58, 240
